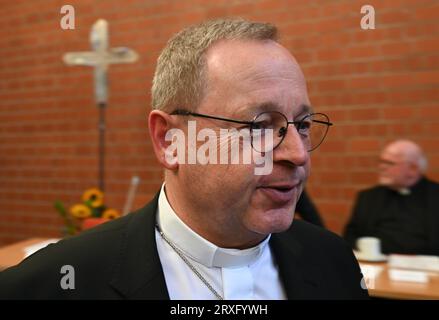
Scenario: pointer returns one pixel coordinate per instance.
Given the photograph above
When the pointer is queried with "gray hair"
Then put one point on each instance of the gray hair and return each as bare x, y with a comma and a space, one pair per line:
415, 155
179, 79
421, 161
411, 152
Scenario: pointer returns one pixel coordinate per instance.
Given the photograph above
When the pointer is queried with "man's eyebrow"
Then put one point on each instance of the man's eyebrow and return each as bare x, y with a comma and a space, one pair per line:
253, 109
385, 161
262, 107
256, 108
305, 109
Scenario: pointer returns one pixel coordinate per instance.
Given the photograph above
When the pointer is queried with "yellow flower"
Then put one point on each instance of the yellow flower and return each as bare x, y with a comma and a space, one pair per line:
110, 214
93, 196
80, 211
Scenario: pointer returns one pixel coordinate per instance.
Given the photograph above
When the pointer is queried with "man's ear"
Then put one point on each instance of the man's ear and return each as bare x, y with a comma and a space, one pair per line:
415, 167
413, 170
159, 124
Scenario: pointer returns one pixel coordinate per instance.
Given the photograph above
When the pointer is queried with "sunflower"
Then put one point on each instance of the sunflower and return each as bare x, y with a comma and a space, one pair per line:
94, 197
110, 214
80, 211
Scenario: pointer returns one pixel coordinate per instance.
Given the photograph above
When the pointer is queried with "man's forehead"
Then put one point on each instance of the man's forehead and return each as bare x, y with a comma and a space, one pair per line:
249, 58
392, 153
252, 76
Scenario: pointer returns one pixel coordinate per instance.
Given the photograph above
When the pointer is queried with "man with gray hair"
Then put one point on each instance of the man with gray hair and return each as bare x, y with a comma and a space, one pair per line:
214, 230
403, 210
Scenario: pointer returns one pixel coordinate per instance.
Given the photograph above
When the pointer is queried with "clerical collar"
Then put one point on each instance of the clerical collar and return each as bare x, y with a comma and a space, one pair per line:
404, 191
198, 248
416, 188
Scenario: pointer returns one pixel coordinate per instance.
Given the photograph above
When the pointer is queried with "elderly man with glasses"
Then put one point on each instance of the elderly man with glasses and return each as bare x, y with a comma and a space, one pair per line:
215, 230
402, 211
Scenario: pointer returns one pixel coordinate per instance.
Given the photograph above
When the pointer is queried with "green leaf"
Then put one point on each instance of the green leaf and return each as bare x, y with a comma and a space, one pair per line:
59, 206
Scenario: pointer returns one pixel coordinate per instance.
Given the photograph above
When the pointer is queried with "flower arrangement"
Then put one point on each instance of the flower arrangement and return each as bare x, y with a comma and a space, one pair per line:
90, 212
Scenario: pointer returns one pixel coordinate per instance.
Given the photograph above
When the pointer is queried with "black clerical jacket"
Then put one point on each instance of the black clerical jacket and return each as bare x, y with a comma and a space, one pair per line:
119, 260
369, 212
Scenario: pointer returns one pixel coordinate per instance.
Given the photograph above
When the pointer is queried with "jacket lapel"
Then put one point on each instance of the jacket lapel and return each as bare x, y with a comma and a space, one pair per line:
138, 273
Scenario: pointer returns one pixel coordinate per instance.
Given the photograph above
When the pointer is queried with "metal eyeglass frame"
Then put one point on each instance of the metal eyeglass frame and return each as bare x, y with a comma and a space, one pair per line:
283, 131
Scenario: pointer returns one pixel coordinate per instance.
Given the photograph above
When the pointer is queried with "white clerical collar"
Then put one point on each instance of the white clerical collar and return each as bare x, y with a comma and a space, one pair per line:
404, 191
198, 248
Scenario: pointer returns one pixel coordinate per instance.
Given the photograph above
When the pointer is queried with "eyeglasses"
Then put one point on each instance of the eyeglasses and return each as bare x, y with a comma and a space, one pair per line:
312, 128
389, 163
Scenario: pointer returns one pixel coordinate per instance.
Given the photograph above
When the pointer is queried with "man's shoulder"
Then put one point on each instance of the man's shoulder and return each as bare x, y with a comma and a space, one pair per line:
100, 241
314, 242
322, 258
89, 245
314, 236
432, 184
379, 189
317, 245
372, 191
92, 256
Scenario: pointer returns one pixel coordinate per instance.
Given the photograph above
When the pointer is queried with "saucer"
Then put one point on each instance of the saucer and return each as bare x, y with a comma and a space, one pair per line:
378, 258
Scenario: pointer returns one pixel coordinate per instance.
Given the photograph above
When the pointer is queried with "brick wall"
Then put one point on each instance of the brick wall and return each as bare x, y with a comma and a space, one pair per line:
376, 85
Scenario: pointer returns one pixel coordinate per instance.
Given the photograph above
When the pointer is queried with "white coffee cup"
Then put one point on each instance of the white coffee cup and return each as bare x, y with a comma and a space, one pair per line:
369, 246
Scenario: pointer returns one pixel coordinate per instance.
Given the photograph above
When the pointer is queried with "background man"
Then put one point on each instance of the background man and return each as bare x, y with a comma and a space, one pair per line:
403, 210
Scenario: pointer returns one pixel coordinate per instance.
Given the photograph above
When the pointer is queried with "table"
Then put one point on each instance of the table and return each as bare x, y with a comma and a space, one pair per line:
383, 287
13, 254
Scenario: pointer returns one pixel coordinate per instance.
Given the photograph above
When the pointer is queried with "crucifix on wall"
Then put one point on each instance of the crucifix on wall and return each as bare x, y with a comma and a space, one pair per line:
100, 59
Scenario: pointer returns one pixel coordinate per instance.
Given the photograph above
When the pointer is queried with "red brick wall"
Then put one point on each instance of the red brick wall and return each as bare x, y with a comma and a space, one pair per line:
376, 85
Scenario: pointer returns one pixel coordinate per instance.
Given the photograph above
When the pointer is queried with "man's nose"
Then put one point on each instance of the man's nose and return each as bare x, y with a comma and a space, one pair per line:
292, 149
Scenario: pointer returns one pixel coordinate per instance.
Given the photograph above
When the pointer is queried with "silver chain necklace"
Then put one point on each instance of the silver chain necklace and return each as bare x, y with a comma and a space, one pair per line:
190, 265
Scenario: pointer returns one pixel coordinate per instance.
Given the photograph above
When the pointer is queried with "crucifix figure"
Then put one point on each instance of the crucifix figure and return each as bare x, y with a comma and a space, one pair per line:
100, 58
